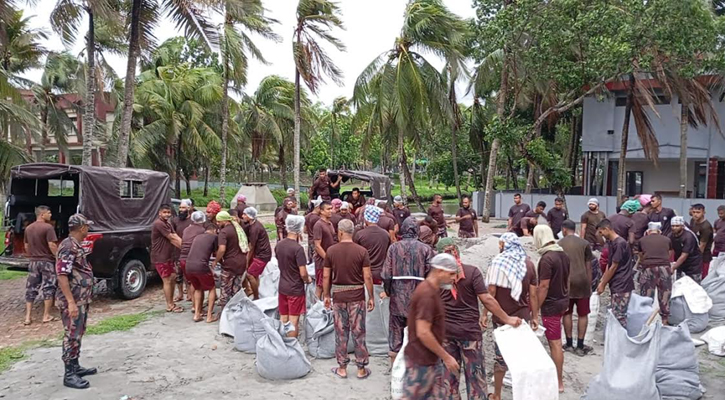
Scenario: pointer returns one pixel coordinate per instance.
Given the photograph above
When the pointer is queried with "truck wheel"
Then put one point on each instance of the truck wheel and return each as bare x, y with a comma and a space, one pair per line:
131, 279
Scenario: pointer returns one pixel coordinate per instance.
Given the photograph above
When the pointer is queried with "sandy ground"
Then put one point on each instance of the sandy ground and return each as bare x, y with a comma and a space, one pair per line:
170, 357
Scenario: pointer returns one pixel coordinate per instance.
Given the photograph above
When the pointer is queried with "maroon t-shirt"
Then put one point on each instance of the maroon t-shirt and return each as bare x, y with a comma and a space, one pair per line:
516, 213
521, 307
290, 257
621, 253
436, 212
38, 235
622, 225
162, 250
310, 221
234, 260
204, 246
321, 188
554, 266
466, 225
347, 260
179, 226
187, 239
386, 223
259, 239
641, 222
400, 214
719, 239
556, 217
325, 233
335, 219
426, 305
663, 216
462, 312
376, 240
655, 251
703, 231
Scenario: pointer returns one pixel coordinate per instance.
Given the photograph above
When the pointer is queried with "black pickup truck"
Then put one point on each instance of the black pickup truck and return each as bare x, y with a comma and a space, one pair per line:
121, 202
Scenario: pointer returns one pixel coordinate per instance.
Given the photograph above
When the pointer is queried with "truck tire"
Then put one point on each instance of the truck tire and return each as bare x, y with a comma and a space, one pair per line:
131, 280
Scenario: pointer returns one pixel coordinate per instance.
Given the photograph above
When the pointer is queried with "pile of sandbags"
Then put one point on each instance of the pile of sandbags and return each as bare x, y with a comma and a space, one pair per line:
247, 317
689, 303
279, 357
677, 374
714, 285
320, 331
226, 320
377, 324
269, 280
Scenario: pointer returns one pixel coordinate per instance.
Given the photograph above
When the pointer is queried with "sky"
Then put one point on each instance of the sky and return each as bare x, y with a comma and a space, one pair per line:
371, 28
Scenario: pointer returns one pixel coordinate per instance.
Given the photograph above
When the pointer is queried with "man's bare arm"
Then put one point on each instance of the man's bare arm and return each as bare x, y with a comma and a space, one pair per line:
319, 250
52, 246
542, 291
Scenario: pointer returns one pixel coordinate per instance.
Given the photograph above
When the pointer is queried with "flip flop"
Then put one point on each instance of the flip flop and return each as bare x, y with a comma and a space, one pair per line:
334, 371
175, 310
50, 320
214, 318
197, 320
367, 374
27, 323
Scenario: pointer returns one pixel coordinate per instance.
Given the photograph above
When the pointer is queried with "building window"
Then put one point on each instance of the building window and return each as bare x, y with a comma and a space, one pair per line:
131, 189
634, 183
621, 101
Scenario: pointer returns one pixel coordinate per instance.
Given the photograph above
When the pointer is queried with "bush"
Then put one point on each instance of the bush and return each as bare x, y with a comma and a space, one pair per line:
280, 194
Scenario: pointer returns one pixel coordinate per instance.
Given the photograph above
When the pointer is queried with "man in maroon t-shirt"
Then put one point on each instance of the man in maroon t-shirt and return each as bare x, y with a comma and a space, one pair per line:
467, 220
260, 251
424, 371
198, 219
164, 242
324, 236
347, 277
321, 186
310, 221
200, 273
232, 254
292, 275
719, 227
41, 248
376, 240
436, 211
180, 223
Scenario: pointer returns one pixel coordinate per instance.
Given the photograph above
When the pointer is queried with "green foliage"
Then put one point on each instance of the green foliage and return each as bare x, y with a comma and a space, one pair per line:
5, 274
119, 323
10, 355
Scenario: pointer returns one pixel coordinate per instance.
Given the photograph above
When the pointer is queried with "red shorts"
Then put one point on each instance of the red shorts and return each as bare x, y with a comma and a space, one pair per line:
182, 267
553, 327
166, 269
202, 282
257, 267
582, 307
319, 276
292, 305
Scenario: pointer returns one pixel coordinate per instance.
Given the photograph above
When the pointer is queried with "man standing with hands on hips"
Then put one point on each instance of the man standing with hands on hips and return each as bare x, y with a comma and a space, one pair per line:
75, 281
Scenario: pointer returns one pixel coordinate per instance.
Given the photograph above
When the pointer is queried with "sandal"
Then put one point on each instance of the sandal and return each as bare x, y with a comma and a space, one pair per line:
27, 323
197, 319
175, 310
334, 371
214, 318
50, 320
367, 374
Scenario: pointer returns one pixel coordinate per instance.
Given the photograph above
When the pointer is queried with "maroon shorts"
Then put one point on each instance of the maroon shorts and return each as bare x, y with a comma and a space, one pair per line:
202, 282
292, 305
166, 269
182, 267
582, 307
553, 327
319, 275
257, 267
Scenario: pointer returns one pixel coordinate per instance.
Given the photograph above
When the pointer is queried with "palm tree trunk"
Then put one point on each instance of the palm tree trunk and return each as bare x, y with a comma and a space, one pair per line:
406, 172
187, 180
44, 138
129, 85
684, 125
178, 164
332, 141
625, 138
454, 130
225, 120
89, 106
207, 172
298, 127
401, 164
282, 167
531, 176
500, 110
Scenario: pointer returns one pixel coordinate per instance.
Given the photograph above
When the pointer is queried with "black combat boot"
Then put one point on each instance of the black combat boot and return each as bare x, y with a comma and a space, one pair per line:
80, 371
72, 380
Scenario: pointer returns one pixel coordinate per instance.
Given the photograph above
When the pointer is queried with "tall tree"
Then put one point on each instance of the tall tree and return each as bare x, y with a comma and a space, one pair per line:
20, 44
339, 109
315, 21
142, 19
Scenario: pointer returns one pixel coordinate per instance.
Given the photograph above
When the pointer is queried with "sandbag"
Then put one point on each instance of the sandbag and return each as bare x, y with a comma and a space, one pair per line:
226, 320
311, 297
714, 285
320, 331
533, 374
377, 324
677, 373
279, 357
269, 280
628, 368
715, 339
697, 299
639, 310
269, 306
680, 312
247, 327
397, 372
592, 317
596, 274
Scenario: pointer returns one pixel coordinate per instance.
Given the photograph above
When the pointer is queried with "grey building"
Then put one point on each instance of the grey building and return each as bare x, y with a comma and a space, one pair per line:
601, 143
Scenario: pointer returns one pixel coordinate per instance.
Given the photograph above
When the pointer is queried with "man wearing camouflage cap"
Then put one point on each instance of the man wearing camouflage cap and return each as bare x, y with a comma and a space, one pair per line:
75, 281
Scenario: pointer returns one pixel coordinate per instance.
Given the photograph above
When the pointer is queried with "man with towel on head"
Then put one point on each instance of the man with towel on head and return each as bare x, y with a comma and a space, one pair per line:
232, 254
260, 250
589, 222
688, 258
622, 222
656, 271
375, 240
310, 221
292, 275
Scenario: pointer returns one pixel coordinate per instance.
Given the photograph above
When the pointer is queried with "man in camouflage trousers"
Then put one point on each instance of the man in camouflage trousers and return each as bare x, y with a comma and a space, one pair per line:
40, 247
655, 269
75, 281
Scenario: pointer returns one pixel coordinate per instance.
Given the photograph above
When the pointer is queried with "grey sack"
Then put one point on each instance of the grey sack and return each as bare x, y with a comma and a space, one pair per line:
320, 331
680, 312
247, 325
639, 310
377, 323
678, 374
280, 357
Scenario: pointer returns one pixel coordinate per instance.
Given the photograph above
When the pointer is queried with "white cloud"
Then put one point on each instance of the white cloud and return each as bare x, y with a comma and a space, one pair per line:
371, 28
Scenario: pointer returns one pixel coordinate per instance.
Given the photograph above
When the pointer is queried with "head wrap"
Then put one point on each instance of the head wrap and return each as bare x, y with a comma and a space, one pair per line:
295, 223
508, 269
445, 262
242, 198
372, 214
251, 212
336, 203
398, 200
316, 202
371, 201
186, 202
223, 216
290, 191
213, 207
654, 226
345, 205
409, 228
543, 238
631, 206
645, 199
677, 221
593, 200
198, 217
449, 243
241, 236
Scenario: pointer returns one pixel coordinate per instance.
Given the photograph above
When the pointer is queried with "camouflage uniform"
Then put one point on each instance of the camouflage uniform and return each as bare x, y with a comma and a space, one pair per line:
695, 277
499, 364
468, 354
41, 279
230, 283
71, 261
423, 381
350, 318
620, 303
660, 278
406, 265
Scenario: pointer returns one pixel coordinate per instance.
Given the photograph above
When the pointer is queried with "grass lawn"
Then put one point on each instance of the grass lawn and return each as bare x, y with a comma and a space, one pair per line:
7, 275
271, 231
424, 191
119, 323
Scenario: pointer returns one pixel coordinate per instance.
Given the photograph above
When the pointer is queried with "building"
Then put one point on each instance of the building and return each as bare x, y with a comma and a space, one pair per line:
73, 154
601, 143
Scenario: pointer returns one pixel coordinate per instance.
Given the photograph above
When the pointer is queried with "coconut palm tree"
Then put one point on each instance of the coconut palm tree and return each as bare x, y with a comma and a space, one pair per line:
142, 19
340, 109
315, 21
20, 45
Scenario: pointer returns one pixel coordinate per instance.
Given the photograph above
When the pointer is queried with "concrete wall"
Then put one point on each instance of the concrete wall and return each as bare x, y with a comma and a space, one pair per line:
662, 178
603, 116
577, 205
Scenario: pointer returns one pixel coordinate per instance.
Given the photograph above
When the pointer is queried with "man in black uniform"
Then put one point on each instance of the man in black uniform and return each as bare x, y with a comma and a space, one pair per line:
75, 281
